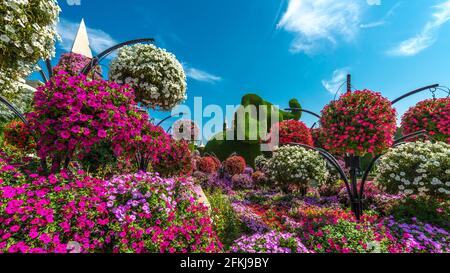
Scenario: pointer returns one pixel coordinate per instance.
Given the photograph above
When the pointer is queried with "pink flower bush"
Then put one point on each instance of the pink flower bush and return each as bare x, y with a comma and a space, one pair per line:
159, 215
432, 115
47, 213
207, 164
148, 146
177, 160
72, 114
359, 122
73, 64
17, 134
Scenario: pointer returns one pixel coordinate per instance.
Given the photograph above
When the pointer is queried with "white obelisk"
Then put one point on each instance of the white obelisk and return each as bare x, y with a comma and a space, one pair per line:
81, 42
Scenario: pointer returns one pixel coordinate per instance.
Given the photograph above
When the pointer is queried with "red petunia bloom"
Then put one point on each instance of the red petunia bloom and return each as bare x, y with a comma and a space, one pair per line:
432, 115
358, 123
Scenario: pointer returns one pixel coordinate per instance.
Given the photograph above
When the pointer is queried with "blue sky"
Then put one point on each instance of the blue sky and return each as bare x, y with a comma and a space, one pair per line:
281, 49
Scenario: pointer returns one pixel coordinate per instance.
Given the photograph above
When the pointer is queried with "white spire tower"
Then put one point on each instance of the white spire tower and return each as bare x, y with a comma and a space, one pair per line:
81, 42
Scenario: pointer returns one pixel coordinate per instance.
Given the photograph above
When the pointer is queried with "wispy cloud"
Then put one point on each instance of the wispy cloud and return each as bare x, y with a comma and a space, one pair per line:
200, 75
315, 22
374, 2
428, 36
337, 80
383, 20
99, 40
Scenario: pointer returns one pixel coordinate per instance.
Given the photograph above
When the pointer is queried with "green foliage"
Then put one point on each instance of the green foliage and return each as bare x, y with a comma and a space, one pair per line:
425, 209
249, 149
226, 223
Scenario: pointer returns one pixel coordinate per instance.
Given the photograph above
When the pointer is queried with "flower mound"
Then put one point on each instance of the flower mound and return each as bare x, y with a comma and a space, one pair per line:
159, 215
72, 114
234, 165
359, 122
73, 64
294, 165
416, 167
432, 115
177, 160
155, 74
271, 242
51, 212
293, 131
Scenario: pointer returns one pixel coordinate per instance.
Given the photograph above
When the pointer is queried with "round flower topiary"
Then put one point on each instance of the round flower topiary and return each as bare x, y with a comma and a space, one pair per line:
186, 129
73, 64
292, 131
27, 33
358, 123
432, 115
296, 166
156, 75
206, 164
234, 165
271, 242
416, 168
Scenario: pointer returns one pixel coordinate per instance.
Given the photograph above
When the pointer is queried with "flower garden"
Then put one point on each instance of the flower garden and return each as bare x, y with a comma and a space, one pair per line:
89, 172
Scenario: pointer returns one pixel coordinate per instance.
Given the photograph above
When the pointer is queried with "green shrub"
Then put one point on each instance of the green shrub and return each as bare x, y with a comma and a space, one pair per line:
225, 221
424, 209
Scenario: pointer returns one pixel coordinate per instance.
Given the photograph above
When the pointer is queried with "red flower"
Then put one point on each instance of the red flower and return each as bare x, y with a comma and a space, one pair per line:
358, 123
292, 131
432, 115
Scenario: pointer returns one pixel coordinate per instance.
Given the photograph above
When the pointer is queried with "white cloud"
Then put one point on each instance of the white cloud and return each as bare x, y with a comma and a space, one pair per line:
316, 21
337, 81
374, 2
384, 20
200, 75
428, 36
98, 39
74, 2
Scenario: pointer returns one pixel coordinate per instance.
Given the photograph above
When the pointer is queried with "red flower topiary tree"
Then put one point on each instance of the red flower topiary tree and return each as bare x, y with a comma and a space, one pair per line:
432, 115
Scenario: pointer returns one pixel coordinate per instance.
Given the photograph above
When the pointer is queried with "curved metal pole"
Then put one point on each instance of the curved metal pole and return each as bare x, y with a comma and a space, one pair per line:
414, 92
42, 73
372, 163
95, 60
171, 116
13, 109
48, 64
303, 110
330, 158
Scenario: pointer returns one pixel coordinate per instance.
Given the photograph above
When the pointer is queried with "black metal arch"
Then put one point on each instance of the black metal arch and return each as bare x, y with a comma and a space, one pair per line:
95, 60
13, 109
429, 87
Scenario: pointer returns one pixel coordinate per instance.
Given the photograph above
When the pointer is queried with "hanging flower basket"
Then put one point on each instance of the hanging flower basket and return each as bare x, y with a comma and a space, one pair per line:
27, 33
358, 123
156, 75
432, 115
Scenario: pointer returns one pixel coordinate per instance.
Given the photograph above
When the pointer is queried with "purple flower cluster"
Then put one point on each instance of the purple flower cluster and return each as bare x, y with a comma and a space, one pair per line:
420, 237
250, 219
271, 242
